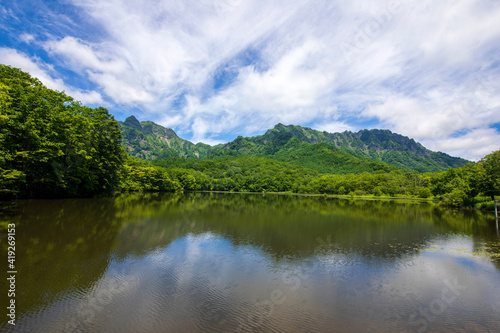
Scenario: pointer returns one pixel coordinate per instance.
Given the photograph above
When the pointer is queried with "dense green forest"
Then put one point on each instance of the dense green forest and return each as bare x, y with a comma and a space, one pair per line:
52, 146
455, 187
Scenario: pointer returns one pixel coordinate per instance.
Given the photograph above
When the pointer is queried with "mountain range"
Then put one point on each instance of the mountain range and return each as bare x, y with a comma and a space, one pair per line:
336, 153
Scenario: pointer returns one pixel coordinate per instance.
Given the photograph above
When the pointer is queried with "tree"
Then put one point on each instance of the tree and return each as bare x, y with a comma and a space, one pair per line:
489, 169
456, 198
424, 193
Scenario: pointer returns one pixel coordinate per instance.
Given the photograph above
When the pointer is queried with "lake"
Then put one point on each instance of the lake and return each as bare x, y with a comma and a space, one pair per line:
215, 262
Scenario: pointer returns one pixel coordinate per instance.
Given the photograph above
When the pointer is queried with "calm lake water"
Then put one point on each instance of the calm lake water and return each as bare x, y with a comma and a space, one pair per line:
250, 263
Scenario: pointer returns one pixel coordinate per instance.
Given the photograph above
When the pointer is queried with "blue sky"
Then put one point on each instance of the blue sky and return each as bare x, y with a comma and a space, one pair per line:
212, 70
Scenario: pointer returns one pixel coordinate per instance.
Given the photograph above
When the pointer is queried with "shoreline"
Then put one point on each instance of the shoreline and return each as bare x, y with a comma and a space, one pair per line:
330, 196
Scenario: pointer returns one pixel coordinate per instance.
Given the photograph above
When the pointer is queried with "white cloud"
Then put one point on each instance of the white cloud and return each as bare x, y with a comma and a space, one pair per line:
120, 90
473, 145
439, 119
83, 56
36, 69
169, 47
425, 69
291, 83
27, 38
333, 127
110, 72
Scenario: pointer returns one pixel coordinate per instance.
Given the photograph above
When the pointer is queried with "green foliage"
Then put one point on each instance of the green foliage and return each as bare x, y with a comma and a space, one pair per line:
239, 173
463, 186
424, 193
377, 191
11, 182
258, 174
489, 174
137, 176
51, 145
454, 187
456, 198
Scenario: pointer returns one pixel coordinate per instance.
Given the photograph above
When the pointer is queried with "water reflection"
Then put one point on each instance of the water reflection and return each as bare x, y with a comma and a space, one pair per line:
222, 262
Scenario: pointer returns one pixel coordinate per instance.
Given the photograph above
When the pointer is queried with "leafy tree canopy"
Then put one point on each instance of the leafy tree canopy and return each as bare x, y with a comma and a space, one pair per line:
51, 145
489, 177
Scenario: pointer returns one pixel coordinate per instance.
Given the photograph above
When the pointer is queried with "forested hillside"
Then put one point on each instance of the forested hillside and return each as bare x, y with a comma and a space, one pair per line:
150, 141
321, 157
379, 145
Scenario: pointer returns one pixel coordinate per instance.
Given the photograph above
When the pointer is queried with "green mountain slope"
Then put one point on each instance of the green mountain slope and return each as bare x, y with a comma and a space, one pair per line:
337, 153
369, 145
284, 147
395, 149
151, 141
326, 158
